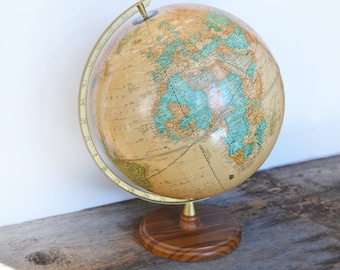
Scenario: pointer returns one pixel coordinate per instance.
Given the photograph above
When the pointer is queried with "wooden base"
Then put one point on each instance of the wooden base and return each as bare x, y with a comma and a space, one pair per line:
217, 234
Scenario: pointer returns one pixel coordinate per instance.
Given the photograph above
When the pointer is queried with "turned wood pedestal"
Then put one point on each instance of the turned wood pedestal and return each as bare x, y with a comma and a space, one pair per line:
210, 234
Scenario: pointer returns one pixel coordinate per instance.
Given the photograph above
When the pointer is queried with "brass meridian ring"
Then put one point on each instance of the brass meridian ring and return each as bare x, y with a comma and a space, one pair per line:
83, 111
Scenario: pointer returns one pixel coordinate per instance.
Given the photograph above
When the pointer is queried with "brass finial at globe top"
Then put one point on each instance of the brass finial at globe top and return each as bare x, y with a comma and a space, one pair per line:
142, 10
145, 14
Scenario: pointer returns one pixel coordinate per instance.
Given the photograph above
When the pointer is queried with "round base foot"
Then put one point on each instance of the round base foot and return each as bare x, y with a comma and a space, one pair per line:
219, 233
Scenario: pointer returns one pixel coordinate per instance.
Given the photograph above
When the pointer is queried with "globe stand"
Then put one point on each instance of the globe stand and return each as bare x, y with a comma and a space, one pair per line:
188, 235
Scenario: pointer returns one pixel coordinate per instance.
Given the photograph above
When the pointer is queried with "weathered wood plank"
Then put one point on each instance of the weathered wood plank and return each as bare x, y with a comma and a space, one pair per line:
290, 219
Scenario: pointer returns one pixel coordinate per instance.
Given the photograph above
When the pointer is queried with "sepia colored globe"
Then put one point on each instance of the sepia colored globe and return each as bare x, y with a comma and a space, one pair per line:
180, 103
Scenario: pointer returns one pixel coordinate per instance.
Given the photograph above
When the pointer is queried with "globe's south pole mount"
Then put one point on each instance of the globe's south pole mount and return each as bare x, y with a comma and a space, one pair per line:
84, 113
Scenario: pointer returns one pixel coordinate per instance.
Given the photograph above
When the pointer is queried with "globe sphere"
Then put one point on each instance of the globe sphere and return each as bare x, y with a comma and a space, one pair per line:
185, 104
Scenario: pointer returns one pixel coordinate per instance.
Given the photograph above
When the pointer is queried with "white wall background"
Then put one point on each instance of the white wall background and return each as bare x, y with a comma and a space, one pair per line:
45, 168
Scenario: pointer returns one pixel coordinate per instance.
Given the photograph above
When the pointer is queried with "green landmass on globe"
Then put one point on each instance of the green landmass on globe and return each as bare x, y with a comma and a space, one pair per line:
186, 104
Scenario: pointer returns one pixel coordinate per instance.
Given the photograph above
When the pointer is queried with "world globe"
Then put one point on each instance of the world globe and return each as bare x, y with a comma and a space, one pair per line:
180, 103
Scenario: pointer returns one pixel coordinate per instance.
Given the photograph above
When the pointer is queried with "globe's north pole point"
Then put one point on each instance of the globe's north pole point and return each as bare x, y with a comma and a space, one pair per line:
180, 104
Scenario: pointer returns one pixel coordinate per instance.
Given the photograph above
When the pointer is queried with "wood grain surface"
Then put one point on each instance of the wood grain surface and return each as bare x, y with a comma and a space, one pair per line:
218, 234
290, 219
